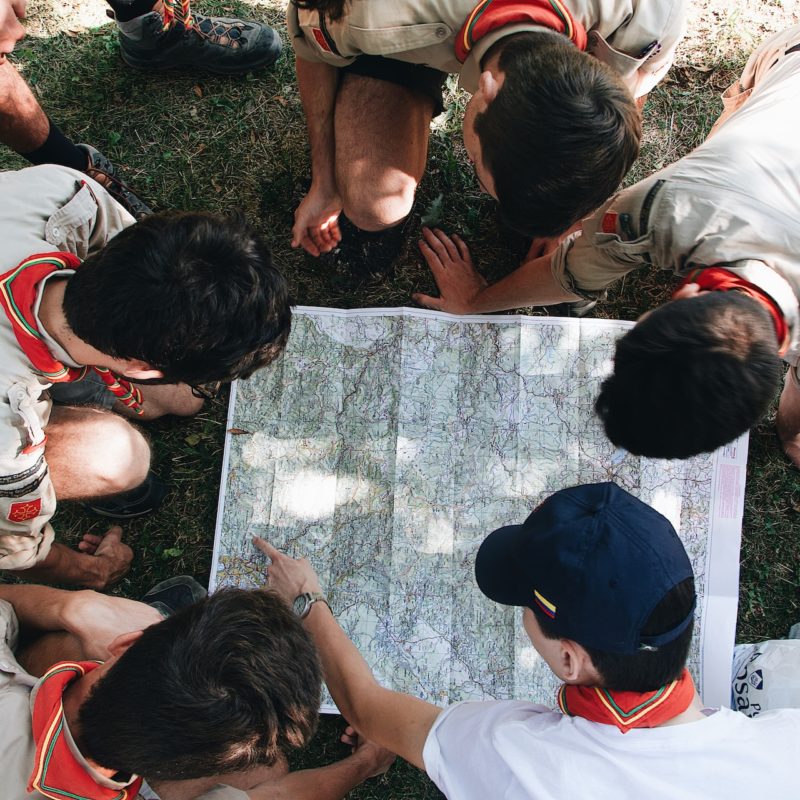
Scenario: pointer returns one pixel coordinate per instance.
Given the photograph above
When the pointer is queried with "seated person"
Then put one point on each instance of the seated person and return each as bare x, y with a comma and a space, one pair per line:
153, 35
608, 602
216, 695
701, 370
174, 301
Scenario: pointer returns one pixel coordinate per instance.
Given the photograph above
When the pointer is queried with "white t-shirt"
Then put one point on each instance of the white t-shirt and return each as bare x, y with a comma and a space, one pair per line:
514, 750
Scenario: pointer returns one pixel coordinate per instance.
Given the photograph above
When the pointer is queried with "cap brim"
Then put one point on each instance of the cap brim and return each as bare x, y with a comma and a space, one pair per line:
497, 567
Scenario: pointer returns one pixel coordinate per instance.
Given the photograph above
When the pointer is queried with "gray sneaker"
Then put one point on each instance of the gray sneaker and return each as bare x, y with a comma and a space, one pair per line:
220, 45
174, 594
102, 169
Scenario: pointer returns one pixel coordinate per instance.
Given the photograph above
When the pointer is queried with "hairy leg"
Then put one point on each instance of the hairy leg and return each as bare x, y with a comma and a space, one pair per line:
788, 420
162, 399
94, 453
381, 147
23, 124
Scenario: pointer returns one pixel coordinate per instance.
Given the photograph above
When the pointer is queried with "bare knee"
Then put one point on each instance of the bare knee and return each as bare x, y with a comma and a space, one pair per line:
92, 453
375, 206
120, 454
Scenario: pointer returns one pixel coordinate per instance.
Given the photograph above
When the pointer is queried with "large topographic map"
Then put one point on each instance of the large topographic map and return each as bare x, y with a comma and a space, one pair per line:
385, 444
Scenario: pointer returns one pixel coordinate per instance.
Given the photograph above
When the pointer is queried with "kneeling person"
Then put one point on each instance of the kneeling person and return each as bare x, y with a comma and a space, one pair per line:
608, 598
207, 703
178, 300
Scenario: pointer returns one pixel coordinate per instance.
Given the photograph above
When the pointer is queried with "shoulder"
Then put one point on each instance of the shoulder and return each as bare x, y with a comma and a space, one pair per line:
484, 719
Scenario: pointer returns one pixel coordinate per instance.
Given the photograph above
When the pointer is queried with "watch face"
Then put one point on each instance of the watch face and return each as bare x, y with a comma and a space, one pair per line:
300, 605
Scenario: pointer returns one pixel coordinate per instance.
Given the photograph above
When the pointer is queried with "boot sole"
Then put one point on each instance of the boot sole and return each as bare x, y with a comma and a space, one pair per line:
146, 65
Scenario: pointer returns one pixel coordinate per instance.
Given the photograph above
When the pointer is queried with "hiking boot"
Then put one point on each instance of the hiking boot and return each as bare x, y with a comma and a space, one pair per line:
174, 594
220, 45
137, 502
101, 169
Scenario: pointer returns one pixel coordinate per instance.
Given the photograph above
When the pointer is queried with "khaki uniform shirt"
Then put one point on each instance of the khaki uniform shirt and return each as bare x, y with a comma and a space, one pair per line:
424, 32
42, 210
732, 202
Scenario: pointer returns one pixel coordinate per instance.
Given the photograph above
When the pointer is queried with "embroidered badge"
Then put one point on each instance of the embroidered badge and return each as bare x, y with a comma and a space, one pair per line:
610, 222
27, 509
544, 604
321, 40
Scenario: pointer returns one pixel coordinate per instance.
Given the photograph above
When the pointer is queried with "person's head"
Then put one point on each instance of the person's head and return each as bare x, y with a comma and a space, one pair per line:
606, 584
332, 9
552, 131
227, 684
691, 376
190, 296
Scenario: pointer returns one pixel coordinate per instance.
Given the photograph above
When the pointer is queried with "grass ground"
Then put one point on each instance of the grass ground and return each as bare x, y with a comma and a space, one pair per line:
187, 141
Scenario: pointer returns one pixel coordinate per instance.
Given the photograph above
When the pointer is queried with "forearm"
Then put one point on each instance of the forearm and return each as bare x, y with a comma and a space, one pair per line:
531, 284
324, 783
64, 565
398, 722
318, 84
39, 608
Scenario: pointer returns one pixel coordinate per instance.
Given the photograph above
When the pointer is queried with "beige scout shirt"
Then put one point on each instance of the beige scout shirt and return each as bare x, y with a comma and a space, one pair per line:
42, 209
733, 202
17, 748
424, 32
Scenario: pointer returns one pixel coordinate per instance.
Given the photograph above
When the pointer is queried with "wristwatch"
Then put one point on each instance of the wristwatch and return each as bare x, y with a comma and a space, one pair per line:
303, 602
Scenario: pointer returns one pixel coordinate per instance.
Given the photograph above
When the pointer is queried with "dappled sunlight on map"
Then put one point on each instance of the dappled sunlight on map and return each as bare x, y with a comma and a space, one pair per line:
385, 444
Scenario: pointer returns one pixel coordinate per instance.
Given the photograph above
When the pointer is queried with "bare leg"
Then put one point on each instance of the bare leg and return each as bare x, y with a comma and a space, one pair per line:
94, 453
23, 124
788, 420
162, 399
381, 147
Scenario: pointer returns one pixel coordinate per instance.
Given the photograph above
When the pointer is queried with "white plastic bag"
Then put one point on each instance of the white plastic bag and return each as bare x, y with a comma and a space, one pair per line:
766, 676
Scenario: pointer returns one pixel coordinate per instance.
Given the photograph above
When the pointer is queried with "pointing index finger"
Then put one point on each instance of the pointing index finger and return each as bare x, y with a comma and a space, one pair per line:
265, 547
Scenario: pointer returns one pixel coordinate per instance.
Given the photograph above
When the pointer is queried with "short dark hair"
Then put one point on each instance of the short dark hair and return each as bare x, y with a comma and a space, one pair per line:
559, 137
691, 376
227, 684
645, 670
333, 9
193, 294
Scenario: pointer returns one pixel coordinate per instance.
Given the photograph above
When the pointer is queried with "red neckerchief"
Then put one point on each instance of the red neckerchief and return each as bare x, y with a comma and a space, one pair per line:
717, 279
628, 710
19, 288
489, 15
56, 772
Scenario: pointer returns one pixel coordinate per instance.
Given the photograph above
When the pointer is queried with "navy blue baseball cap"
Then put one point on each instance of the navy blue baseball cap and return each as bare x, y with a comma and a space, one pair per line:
595, 561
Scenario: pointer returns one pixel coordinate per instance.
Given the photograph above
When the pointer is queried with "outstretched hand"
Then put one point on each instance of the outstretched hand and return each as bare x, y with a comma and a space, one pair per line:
451, 264
289, 577
378, 759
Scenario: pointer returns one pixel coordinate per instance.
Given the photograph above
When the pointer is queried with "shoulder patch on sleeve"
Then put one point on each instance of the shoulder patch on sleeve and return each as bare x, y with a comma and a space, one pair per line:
25, 510
609, 222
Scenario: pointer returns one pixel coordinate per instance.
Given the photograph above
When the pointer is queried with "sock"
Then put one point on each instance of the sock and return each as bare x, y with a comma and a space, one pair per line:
57, 149
126, 10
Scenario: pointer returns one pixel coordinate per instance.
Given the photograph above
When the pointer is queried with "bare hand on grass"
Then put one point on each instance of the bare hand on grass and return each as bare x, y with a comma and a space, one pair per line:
11, 31
316, 222
451, 264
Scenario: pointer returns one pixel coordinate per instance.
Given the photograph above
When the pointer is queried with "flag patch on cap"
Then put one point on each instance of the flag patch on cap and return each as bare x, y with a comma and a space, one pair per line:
544, 604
